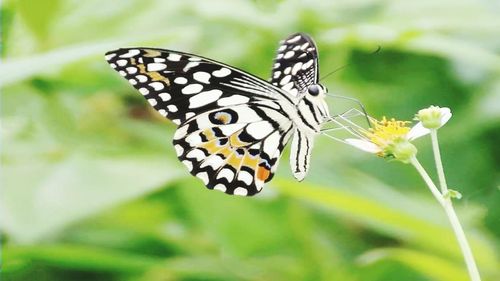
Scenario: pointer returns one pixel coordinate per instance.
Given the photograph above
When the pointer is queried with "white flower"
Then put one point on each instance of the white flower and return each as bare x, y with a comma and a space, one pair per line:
391, 138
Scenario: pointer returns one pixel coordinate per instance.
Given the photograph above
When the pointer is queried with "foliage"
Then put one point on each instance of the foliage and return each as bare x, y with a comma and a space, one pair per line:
91, 188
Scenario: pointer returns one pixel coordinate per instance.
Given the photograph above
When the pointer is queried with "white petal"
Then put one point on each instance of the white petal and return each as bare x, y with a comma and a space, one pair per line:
417, 131
445, 115
364, 145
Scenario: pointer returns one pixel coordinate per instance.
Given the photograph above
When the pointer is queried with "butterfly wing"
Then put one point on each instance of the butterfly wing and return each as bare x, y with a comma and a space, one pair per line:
234, 150
296, 64
232, 125
295, 69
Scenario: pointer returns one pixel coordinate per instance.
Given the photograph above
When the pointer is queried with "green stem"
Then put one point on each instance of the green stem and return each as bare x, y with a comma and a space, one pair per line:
439, 163
450, 212
452, 217
430, 184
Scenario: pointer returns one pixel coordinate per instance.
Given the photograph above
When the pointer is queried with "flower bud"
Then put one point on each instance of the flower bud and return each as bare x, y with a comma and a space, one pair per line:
402, 150
431, 117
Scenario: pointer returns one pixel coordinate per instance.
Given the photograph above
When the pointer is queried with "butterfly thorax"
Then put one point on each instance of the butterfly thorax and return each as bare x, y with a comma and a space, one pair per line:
311, 110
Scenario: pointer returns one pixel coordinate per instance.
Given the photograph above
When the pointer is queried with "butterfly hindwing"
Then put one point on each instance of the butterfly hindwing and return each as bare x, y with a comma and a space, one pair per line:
232, 126
296, 64
234, 150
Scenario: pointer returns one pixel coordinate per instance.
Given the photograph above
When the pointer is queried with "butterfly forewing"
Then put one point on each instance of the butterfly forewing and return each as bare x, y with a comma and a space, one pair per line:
296, 64
232, 126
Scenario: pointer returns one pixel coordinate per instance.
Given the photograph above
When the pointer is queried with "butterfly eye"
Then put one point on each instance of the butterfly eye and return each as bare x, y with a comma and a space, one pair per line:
313, 90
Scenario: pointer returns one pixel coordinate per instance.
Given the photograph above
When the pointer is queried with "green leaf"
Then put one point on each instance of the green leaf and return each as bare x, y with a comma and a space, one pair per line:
392, 219
39, 15
78, 257
434, 267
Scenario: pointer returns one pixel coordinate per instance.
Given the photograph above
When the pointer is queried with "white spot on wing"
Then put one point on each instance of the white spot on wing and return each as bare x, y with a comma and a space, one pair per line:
165, 96
192, 89
163, 112
131, 69
181, 132
194, 139
172, 108
203, 176
152, 102
201, 76
220, 187
245, 177
196, 154
180, 80
188, 164
215, 161
121, 62
156, 66
130, 53
276, 74
142, 78
294, 39
223, 72
240, 191
179, 150
296, 67
307, 64
190, 65
204, 98
285, 80
157, 86
289, 54
110, 56
227, 174
174, 57
144, 91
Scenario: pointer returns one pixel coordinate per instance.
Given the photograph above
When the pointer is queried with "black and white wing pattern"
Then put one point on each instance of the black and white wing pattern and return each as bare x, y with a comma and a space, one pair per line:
296, 64
232, 125
295, 69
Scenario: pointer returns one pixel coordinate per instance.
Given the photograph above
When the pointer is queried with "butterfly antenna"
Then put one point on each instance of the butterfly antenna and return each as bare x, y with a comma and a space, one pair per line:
346, 65
335, 70
356, 101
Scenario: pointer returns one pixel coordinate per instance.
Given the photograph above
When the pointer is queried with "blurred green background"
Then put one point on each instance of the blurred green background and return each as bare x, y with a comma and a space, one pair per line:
91, 188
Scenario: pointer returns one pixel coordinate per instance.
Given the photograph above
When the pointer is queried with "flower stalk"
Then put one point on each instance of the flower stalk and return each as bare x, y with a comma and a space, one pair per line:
450, 212
439, 163
392, 139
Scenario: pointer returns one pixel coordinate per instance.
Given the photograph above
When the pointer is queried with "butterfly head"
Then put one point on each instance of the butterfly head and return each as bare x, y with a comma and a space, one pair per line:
316, 94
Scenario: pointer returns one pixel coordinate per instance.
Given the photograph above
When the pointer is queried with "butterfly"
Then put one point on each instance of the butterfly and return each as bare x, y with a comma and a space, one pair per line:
232, 125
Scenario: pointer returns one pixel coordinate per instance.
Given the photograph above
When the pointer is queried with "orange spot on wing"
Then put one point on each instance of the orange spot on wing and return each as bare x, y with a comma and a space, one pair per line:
263, 173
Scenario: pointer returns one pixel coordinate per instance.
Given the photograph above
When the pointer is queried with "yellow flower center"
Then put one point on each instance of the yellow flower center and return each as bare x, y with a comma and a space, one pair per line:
386, 132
